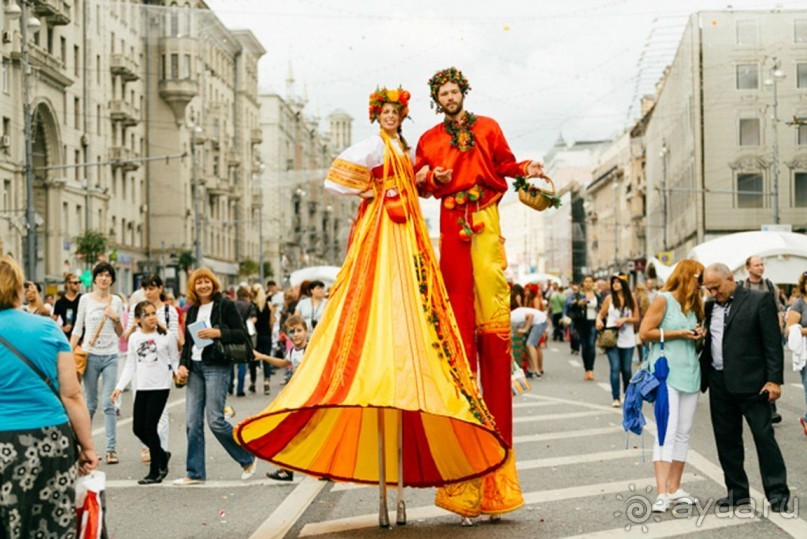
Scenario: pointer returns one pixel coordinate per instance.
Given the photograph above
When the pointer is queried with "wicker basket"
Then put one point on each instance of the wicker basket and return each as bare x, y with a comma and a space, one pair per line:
538, 201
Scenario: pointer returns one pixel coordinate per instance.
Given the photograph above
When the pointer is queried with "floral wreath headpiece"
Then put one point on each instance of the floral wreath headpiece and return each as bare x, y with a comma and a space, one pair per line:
382, 96
451, 74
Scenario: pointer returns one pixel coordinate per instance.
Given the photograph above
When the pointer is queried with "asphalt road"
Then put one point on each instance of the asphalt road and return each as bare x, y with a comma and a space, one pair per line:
578, 478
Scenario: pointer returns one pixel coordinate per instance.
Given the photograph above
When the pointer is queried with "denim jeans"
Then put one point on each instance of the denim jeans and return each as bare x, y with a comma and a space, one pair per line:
620, 361
588, 343
105, 367
206, 395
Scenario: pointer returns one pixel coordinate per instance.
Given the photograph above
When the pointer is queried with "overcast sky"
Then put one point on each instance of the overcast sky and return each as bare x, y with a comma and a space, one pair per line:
539, 67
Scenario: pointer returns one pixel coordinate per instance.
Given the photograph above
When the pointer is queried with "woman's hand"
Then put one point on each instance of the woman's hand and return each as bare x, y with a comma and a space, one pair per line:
620, 322
114, 396
110, 313
210, 333
598, 324
422, 175
87, 461
182, 373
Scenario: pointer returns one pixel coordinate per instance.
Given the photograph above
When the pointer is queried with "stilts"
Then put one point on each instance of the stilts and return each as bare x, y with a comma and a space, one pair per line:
400, 519
383, 515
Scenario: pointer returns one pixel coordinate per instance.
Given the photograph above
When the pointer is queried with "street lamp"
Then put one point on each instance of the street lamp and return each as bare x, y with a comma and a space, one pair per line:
665, 151
261, 169
776, 76
197, 216
32, 24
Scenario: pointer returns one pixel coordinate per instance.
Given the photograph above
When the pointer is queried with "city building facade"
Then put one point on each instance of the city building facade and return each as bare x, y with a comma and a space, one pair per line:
726, 148
144, 127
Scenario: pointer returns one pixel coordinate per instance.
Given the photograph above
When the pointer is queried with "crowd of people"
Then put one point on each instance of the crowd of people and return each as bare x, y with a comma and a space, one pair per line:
403, 349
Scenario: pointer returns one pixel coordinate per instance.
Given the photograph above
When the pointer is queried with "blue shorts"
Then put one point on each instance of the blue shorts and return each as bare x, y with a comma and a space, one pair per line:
534, 336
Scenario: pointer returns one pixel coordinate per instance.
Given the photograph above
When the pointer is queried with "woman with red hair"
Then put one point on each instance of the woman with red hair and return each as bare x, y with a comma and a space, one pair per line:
675, 318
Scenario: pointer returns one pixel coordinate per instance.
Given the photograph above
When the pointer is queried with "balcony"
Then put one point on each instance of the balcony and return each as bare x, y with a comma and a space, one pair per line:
50, 68
256, 135
233, 158
124, 112
178, 93
123, 65
57, 12
122, 156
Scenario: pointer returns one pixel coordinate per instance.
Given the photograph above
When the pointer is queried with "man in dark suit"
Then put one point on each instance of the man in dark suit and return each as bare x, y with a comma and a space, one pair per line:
742, 366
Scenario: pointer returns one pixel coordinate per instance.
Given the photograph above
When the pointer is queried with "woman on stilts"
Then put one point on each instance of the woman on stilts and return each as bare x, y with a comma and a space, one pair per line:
385, 394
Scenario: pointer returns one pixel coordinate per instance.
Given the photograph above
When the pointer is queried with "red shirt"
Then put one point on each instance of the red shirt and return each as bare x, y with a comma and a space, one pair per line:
486, 164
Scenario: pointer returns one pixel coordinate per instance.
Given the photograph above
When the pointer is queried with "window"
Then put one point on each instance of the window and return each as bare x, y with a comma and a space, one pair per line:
76, 61
187, 68
800, 189
749, 132
174, 66
802, 135
98, 119
6, 194
63, 50
77, 112
801, 75
98, 69
747, 77
4, 75
800, 31
77, 157
747, 33
749, 186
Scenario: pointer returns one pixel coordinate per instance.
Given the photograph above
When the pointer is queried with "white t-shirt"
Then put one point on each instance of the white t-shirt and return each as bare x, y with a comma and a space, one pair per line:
518, 316
89, 316
203, 314
295, 356
310, 313
626, 335
153, 358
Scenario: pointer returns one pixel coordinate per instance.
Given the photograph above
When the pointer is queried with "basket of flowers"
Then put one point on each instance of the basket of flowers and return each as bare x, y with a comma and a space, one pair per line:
537, 198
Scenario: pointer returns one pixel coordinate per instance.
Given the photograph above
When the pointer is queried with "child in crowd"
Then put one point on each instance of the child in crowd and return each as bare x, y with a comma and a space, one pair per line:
153, 357
297, 331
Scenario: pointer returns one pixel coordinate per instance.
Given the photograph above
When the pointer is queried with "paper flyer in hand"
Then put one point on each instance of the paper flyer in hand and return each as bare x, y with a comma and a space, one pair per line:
194, 329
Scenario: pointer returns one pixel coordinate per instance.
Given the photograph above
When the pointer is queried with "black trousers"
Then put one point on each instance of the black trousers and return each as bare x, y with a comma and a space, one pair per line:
728, 411
557, 329
588, 342
148, 407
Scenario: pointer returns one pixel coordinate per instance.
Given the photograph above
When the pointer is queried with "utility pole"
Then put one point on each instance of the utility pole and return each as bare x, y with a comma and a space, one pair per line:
30, 214
663, 154
197, 216
776, 75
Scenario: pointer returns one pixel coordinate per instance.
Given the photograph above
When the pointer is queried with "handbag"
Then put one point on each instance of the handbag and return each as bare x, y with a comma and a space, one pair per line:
91, 506
607, 338
518, 380
80, 354
234, 352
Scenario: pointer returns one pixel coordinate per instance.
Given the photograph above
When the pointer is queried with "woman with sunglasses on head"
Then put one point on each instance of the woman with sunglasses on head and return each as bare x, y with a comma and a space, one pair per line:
619, 313
676, 315
797, 315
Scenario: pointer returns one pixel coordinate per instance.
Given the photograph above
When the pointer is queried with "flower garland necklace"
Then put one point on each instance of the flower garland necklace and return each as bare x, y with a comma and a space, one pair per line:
462, 137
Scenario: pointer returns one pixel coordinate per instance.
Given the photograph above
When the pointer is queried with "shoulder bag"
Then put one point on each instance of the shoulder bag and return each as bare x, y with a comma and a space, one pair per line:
240, 352
80, 354
607, 338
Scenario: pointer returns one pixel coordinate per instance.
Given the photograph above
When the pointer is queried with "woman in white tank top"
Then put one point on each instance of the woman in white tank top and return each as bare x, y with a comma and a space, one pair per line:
620, 314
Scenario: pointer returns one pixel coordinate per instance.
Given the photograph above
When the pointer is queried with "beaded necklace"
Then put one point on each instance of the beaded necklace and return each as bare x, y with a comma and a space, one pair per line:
462, 137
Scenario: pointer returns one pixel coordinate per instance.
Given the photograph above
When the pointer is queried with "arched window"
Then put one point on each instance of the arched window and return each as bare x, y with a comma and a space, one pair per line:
174, 24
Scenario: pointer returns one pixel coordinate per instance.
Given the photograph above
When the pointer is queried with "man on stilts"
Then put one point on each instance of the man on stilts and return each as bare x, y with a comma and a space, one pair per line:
468, 159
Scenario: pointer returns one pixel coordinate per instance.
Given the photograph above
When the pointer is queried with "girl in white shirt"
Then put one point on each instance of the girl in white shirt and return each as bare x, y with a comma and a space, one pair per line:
620, 314
154, 358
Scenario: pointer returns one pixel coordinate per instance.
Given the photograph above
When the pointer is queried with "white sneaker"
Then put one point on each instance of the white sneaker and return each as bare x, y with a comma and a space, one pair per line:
661, 504
187, 481
249, 471
616, 404
681, 496
467, 522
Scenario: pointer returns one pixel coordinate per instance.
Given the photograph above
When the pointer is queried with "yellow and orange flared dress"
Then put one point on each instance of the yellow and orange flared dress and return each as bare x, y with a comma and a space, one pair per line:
387, 345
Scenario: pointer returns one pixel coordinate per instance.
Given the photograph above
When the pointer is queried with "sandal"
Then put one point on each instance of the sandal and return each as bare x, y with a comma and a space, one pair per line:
111, 457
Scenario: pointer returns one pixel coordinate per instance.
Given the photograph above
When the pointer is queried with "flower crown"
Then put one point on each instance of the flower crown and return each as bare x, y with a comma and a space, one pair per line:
382, 96
451, 74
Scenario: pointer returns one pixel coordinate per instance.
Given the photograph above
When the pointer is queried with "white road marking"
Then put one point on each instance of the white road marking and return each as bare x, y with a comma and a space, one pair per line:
554, 349
567, 434
574, 363
552, 417
122, 422
604, 386
290, 510
429, 512
168, 483
531, 404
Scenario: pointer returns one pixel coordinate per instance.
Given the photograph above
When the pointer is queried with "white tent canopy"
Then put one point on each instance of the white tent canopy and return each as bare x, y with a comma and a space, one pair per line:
784, 253
538, 278
326, 274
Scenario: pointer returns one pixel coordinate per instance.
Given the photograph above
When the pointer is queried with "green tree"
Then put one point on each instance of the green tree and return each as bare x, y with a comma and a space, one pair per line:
90, 245
186, 260
248, 267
